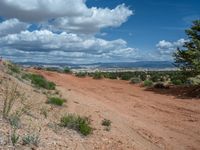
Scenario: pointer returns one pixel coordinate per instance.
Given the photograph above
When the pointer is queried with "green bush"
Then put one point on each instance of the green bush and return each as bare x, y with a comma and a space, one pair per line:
14, 68
143, 76
15, 121
97, 75
39, 81
55, 101
106, 122
112, 75
135, 80
31, 139
126, 76
148, 83
177, 82
194, 81
67, 70
155, 77
53, 69
14, 137
81, 74
80, 124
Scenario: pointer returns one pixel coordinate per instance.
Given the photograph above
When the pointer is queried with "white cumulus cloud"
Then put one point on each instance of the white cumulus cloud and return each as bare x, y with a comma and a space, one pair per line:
167, 48
40, 10
99, 18
12, 26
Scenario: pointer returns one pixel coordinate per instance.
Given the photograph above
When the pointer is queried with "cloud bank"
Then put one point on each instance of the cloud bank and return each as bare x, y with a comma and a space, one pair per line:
64, 31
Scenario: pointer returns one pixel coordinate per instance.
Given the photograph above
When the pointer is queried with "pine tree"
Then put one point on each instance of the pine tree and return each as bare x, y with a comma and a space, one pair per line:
188, 58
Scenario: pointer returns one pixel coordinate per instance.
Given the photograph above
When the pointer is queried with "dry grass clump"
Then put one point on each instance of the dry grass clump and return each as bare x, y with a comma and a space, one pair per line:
10, 96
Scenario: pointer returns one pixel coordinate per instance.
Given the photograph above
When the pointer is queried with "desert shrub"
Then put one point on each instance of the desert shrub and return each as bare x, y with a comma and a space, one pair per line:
97, 75
25, 76
194, 80
44, 112
39, 81
178, 78
112, 75
55, 101
31, 139
67, 70
13, 67
155, 77
80, 124
81, 74
143, 76
15, 121
14, 137
54, 69
10, 96
148, 83
106, 122
126, 76
177, 82
135, 80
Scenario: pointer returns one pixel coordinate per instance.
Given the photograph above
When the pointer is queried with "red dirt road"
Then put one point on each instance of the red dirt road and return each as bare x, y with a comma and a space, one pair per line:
141, 118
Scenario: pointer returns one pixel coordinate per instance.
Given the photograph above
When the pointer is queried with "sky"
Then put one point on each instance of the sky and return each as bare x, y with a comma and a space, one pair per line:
89, 31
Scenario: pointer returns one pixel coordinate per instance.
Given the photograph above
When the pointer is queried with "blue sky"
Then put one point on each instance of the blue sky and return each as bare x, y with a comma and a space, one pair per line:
79, 31
154, 20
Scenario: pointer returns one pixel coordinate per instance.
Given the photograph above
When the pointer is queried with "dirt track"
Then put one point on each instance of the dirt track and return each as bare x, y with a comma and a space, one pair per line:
141, 119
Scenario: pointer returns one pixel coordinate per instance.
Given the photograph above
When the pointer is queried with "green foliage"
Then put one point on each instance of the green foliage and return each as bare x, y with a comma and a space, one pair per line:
97, 75
148, 83
155, 77
14, 137
188, 58
39, 81
177, 82
67, 70
80, 124
81, 74
31, 139
135, 80
143, 76
56, 101
111, 75
194, 80
126, 76
13, 67
15, 121
106, 122
54, 69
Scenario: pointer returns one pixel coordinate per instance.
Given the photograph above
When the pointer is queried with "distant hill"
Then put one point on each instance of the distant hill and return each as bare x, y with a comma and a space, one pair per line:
126, 65
140, 64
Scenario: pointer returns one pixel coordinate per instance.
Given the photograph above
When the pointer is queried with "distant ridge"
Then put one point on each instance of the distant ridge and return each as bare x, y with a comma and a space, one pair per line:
126, 65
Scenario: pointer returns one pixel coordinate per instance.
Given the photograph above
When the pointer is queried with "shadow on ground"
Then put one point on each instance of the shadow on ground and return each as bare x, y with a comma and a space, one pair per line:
179, 92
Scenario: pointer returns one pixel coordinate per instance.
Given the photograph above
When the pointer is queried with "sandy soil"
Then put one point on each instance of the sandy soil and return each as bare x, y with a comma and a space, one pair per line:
141, 119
